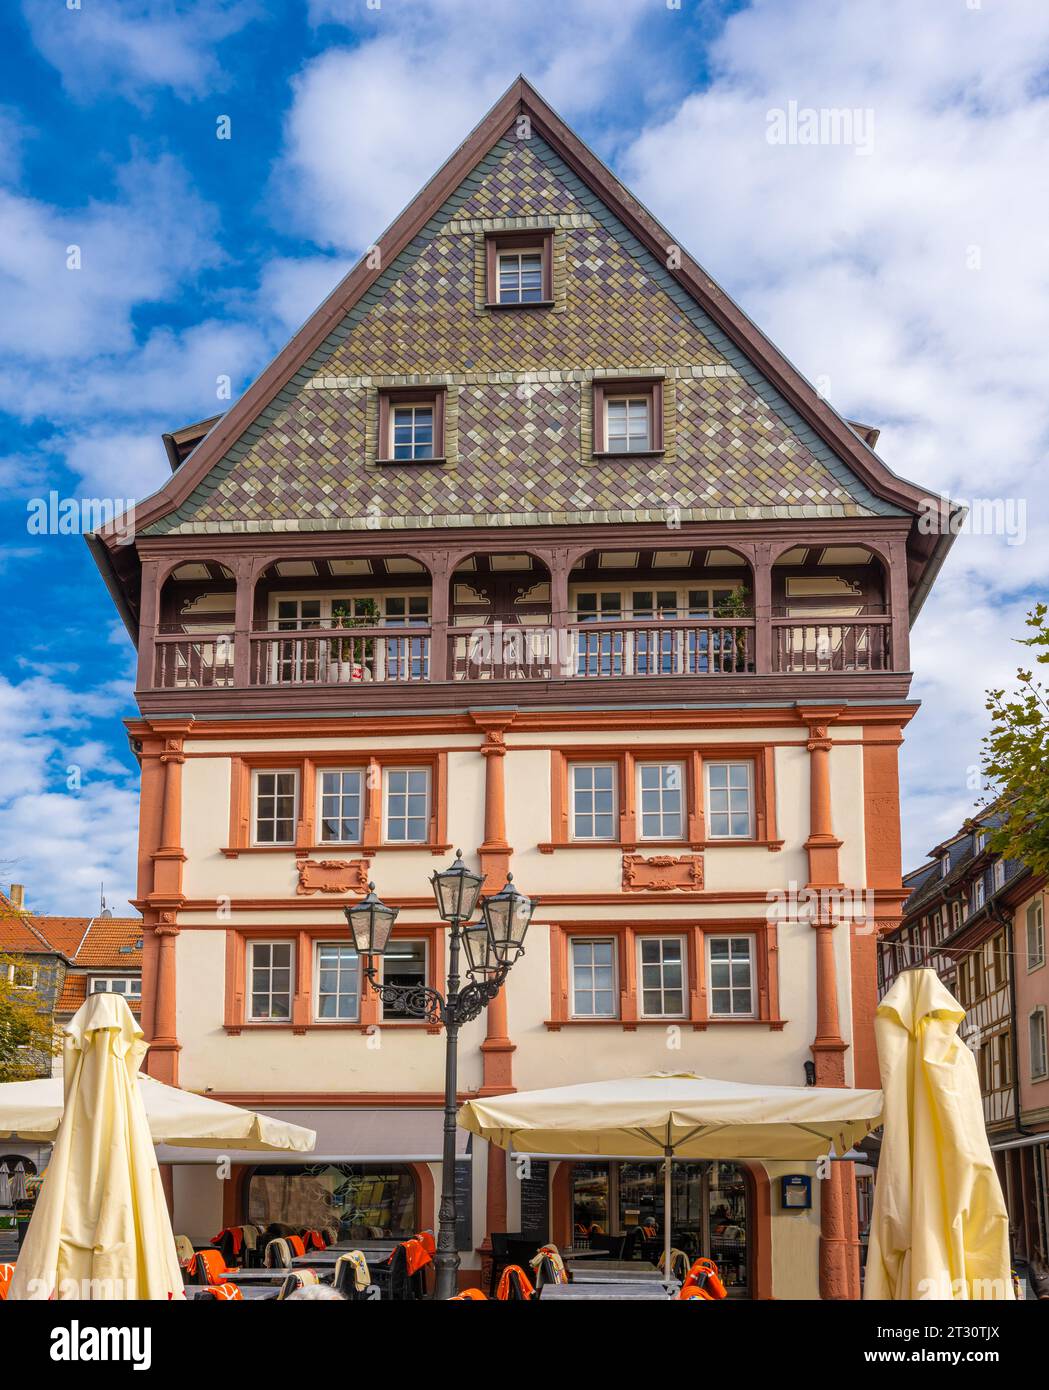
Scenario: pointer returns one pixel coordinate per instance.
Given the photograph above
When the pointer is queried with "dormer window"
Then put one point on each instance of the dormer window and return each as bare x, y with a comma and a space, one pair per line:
628, 416
411, 426
519, 271
520, 279
412, 432
628, 424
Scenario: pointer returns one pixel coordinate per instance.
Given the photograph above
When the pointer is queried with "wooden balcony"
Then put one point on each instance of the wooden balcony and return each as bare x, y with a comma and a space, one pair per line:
688, 656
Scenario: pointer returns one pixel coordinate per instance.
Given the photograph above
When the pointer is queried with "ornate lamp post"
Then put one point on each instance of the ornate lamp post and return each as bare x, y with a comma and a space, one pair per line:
492, 945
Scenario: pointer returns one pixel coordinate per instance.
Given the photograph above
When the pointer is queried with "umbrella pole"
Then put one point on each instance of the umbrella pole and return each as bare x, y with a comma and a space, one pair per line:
668, 1160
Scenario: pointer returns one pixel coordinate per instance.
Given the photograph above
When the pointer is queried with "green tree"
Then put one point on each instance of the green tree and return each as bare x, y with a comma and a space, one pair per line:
27, 1033
1016, 756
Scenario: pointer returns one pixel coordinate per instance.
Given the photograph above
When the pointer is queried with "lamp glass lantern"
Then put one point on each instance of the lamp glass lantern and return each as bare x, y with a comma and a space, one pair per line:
371, 923
456, 890
480, 956
507, 915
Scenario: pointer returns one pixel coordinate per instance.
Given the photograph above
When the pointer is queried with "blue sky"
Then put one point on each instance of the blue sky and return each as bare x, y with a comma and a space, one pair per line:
905, 272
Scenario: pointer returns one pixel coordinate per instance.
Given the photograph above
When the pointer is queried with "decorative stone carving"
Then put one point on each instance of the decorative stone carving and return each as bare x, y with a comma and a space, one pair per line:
662, 873
332, 876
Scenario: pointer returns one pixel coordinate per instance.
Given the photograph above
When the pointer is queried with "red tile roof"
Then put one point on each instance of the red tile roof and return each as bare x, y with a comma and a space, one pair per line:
94, 941
74, 992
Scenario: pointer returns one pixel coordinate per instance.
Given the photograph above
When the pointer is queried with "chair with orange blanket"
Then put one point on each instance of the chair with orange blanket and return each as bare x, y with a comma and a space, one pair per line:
469, 1296
514, 1286
7, 1273
298, 1245
224, 1293
209, 1267
704, 1276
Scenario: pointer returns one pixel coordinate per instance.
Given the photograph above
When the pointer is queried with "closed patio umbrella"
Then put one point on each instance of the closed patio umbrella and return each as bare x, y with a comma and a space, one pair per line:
676, 1115
32, 1110
5, 1185
100, 1228
18, 1183
939, 1227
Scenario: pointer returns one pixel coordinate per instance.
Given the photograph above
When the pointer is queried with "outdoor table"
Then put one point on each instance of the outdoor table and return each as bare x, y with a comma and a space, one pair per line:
617, 1289
256, 1276
260, 1293
643, 1269
619, 1276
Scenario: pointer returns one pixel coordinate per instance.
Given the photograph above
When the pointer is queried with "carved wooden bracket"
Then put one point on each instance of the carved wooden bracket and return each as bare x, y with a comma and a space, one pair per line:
662, 873
332, 876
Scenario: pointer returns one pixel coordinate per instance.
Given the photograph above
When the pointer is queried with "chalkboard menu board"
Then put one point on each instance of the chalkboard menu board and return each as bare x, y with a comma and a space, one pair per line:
464, 1205
535, 1202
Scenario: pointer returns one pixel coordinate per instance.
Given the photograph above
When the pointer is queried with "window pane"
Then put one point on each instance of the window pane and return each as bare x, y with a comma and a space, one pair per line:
403, 964
360, 1199
593, 978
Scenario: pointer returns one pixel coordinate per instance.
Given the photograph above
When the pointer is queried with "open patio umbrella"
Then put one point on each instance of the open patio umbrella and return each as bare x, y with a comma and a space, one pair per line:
32, 1111
939, 1227
676, 1115
100, 1228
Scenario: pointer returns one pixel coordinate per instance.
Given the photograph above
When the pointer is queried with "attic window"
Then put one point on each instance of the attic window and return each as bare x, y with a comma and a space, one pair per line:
628, 416
411, 425
519, 270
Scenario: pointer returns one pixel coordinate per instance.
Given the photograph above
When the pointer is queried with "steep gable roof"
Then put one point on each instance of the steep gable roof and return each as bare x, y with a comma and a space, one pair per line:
277, 459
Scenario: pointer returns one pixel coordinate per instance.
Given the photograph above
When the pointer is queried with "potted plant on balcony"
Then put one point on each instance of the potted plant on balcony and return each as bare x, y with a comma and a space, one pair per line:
736, 605
353, 658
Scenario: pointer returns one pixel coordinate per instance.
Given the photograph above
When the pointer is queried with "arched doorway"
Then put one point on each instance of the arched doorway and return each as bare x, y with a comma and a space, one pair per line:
830, 610
500, 617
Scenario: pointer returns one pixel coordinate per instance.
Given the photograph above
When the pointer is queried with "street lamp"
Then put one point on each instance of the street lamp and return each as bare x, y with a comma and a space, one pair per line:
492, 946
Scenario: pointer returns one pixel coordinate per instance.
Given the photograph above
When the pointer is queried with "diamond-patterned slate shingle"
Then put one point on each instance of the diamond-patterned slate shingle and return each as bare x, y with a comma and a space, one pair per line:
519, 387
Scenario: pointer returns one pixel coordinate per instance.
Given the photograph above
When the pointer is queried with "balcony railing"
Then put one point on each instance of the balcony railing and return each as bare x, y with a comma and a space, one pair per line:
831, 645
183, 662
687, 649
338, 657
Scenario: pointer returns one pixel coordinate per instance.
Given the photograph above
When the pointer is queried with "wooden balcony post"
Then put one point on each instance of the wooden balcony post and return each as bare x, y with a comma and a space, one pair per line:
244, 573
899, 606
762, 568
149, 619
438, 562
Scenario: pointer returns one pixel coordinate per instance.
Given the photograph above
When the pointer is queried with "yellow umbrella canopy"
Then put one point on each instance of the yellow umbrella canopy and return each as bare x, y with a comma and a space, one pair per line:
939, 1228
692, 1116
100, 1228
32, 1110
675, 1115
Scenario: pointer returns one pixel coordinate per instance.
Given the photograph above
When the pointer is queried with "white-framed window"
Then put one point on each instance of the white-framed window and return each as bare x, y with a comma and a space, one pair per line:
337, 982
945, 866
301, 613
593, 801
730, 976
628, 424
594, 991
661, 801
130, 985
998, 874
270, 987
411, 430
276, 792
981, 841
730, 800
977, 894
661, 976
406, 962
519, 276
1035, 934
340, 804
406, 805
1039, 1049
956, 915
22, 975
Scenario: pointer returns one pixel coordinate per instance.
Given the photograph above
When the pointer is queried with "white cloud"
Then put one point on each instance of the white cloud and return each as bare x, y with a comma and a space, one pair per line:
70, 278
132, 46
62, 842
370, 124
904, 280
